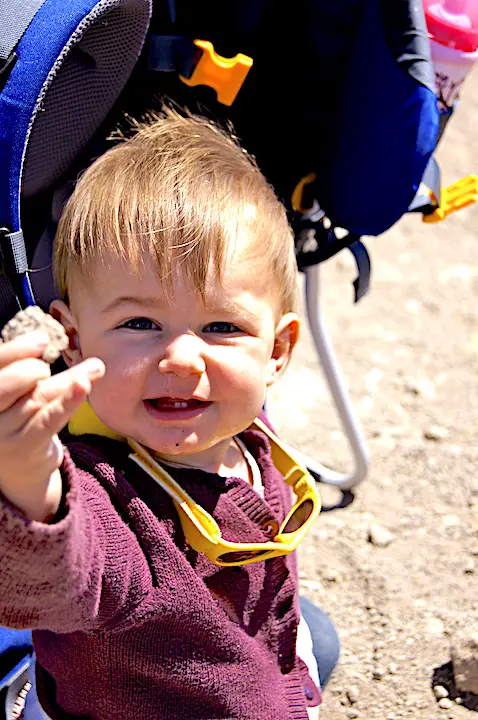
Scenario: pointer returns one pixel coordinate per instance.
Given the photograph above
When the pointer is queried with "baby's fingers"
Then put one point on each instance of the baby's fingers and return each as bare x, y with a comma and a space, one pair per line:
20, 368
62, 394
77, 379
19, 379
31, 344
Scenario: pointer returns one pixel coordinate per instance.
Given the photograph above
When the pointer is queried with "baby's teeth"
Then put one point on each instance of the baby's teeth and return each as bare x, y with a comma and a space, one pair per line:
178, 404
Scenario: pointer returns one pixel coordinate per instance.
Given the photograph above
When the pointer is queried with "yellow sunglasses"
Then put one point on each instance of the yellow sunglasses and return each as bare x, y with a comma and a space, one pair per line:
202, 531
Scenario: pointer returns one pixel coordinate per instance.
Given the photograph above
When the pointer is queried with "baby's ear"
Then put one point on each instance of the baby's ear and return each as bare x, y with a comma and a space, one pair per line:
61, 312
286, 336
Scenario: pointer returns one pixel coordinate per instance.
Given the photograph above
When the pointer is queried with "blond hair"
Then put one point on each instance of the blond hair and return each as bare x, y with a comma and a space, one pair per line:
180, 191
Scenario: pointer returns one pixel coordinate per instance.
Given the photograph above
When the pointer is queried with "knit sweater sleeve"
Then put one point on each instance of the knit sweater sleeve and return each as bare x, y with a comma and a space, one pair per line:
83, 572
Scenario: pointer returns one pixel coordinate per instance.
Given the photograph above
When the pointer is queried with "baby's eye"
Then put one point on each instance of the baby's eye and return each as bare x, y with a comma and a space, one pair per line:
140, 323
222, 328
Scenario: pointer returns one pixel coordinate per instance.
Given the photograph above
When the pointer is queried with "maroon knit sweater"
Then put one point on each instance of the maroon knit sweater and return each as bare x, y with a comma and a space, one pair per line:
129, 621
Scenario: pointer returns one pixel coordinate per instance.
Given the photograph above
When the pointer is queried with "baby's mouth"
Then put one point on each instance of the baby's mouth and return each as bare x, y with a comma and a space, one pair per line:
171, 404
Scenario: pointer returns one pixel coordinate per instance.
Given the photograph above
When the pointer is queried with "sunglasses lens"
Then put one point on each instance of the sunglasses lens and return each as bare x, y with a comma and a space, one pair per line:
301, 515
234, 557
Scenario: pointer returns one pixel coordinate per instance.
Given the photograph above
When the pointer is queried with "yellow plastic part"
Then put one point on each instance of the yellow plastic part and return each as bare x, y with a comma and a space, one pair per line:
299, 192
200, 528
224, 75
86, 421
455, 197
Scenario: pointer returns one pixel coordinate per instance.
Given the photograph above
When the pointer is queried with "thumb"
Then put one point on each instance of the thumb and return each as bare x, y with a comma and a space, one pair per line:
67, 383
65, 392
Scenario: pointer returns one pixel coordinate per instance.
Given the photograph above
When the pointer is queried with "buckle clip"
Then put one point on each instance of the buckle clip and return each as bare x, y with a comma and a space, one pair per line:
455, 197
224, 75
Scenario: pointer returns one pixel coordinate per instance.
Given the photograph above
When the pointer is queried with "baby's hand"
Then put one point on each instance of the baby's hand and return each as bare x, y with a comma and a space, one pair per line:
34, 406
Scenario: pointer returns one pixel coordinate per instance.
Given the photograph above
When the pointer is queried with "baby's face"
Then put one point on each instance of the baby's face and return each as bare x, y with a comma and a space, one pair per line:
180, 379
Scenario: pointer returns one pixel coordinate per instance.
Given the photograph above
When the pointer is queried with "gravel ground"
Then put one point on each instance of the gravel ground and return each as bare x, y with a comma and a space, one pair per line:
409, 353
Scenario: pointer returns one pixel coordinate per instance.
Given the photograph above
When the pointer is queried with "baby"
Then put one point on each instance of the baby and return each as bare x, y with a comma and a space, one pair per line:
151, 549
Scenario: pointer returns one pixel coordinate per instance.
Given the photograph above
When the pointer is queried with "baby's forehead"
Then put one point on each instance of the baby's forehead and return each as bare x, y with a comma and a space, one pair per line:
111, 277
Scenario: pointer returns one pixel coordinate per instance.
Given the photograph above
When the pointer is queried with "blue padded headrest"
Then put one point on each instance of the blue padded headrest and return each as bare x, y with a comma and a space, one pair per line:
73, 61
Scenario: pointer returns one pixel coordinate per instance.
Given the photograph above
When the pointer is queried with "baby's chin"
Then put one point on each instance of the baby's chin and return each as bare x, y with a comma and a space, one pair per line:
177, 445
190, 451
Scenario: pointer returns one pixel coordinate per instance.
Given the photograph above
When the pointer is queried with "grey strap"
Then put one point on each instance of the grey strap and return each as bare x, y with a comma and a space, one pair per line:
405, 31
15, 17
19, 252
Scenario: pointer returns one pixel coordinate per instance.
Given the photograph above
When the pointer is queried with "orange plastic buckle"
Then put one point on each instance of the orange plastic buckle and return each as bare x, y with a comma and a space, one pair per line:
225, 75
455, 197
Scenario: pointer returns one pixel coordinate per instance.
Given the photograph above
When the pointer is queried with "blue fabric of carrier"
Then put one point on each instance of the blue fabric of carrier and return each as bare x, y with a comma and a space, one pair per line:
73, 60
54, 33
386, 121
342, 89
15, 652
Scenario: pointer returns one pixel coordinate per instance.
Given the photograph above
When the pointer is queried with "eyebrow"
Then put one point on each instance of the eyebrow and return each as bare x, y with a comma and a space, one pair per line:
131, 300
212, 308
230, 308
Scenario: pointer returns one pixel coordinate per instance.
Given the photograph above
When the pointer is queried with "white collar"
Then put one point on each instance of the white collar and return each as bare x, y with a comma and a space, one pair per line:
248, 457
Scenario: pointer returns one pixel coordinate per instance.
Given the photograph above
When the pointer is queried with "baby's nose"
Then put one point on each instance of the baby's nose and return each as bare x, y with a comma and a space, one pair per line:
183, 357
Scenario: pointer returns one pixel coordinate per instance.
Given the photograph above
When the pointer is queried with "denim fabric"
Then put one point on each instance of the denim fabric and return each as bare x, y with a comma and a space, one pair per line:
325, 641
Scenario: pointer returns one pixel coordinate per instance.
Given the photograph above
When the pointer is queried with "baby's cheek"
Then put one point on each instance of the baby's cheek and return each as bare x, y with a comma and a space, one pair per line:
114, 405
104, 398
113, 392
251, 387
243, 378
124, 374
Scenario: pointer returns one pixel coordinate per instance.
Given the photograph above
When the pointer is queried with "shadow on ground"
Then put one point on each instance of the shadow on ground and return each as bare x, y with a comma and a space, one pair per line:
443, 675
346, 498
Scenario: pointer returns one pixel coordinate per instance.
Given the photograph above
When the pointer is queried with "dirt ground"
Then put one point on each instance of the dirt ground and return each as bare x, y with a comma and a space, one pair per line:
409, 353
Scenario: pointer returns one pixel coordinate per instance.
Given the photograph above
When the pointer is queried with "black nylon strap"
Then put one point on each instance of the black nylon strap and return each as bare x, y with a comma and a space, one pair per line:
364, 268
172, 53
15, 17
9, 304
13, 266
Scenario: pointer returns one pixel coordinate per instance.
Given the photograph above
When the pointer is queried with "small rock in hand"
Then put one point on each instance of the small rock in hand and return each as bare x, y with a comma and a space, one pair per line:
33, 318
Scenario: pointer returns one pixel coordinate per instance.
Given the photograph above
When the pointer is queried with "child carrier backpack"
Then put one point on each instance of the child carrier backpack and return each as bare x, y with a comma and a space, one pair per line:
335, 100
